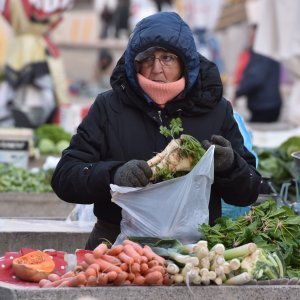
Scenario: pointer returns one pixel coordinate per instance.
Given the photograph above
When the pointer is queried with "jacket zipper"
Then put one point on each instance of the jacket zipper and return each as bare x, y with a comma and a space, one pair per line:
159, 116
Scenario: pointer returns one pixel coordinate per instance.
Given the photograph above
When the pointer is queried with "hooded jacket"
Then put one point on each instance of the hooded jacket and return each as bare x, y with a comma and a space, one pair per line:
122, 125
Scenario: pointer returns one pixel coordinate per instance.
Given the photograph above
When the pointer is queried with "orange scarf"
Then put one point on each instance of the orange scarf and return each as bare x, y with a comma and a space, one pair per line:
161, 93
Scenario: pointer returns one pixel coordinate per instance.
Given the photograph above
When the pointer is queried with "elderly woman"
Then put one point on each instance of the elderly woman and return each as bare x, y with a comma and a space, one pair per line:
160, 76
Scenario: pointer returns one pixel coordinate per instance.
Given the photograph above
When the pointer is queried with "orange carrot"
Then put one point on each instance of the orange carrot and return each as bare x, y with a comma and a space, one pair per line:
139, 280
100, 250
102, 279
65, 283
130, 277
57, 282
53, 277
125, 258
130, 251
68, 274
124, 267
137, 247
91, 281
44, 282
122, 276
144, 258
153, 278
89, 258
94, 266
78, 280
83, 265
144, 268
111, 259
135, 268
153, 263
115, 250
106, 267
148, 252
112, 275
160, 269
90, 272
77, 269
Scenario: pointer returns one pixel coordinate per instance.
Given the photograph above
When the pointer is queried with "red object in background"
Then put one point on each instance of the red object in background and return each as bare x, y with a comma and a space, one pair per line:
80, 254
84, 111
70, 111
241, 65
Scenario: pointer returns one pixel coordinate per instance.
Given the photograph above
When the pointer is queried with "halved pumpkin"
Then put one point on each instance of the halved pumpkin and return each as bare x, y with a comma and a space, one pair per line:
33, 266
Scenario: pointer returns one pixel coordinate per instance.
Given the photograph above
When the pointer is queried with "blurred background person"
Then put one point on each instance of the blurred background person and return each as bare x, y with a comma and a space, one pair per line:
121, 17
163, 4
34, 72
278, 37
106, 19
202, 16
258, 79
104, 68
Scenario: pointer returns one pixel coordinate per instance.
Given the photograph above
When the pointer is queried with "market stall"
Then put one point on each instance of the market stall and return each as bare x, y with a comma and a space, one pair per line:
253, 256
27, 160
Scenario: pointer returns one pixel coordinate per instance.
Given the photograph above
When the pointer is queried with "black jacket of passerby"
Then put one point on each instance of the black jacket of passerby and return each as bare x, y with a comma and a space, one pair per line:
123, 125
260, 83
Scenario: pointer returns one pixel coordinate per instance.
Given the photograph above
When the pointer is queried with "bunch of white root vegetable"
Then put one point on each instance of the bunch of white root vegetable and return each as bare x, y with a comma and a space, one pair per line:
235, 266
179, 156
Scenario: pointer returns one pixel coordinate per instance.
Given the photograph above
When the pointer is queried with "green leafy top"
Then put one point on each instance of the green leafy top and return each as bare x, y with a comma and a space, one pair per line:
174, 128
190, 147
270, 227
53, 132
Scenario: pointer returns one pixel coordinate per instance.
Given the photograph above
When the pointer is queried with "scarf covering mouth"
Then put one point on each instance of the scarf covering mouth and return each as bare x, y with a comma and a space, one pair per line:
159, 92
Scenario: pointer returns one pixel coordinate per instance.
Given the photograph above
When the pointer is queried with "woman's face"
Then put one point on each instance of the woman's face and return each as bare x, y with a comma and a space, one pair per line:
161, 66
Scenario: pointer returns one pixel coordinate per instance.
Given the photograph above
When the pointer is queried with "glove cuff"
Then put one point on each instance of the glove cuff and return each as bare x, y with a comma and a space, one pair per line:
229, 170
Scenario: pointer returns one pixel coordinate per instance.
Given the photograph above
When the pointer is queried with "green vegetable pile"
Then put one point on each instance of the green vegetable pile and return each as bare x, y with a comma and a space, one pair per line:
270, 228
51, 139
278, 163
13, 179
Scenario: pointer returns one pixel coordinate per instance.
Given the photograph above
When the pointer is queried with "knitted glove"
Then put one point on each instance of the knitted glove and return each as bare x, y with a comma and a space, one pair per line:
134, 173
223, 156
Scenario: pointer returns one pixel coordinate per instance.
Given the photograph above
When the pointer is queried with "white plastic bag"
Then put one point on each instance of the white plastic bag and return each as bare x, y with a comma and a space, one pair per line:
172, 208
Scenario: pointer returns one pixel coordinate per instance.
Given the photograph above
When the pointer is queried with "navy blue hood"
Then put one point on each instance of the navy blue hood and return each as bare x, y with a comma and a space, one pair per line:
167, 30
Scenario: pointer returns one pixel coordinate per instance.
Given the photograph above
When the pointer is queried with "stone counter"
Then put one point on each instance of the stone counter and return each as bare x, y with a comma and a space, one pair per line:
43, 234
212, 292
38, 205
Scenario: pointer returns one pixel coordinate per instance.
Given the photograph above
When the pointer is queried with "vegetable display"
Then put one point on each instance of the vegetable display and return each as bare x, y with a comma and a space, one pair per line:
158, 262
51, 139
13, 179
124, 264
277, 163
180, 155
199, 264
270, 228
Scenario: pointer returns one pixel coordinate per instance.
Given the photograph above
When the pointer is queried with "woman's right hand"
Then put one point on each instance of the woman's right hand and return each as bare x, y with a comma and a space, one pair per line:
134, 173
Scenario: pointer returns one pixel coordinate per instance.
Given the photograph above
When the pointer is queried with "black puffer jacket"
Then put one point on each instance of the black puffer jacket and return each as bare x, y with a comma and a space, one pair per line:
121, 125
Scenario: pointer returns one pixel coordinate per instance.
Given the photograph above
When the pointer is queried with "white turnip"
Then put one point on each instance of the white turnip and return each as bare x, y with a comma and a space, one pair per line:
179, 156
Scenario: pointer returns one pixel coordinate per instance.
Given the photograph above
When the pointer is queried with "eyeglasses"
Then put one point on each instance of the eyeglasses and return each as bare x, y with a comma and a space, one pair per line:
166, 60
